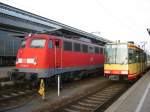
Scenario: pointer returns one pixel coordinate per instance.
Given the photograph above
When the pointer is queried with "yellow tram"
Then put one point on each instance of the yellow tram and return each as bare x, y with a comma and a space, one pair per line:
124, 61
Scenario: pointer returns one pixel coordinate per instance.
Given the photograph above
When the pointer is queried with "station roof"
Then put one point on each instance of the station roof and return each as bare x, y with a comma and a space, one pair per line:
29, 22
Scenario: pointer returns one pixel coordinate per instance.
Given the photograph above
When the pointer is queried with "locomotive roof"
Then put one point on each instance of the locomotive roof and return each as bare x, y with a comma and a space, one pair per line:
54, 37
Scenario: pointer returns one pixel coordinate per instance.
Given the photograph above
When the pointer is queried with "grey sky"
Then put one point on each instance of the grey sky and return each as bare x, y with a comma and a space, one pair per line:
115, 19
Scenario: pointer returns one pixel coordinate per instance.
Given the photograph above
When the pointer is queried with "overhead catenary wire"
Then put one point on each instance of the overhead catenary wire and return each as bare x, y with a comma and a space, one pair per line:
117, 20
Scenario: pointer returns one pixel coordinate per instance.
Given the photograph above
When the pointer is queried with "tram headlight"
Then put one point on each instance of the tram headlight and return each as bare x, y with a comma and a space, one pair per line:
107, 72
124, 72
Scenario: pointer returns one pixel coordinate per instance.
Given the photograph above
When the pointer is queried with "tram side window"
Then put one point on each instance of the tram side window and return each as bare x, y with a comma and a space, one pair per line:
77, 47
67, 46
138, 57
142, 57
132, 56
50, 44
145, 57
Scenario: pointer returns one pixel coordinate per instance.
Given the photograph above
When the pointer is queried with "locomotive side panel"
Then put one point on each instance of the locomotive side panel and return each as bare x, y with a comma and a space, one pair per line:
79, 54
75, 59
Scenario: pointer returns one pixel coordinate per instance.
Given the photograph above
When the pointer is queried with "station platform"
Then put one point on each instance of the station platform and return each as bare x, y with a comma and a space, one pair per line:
136, 99
5, 75
4, 71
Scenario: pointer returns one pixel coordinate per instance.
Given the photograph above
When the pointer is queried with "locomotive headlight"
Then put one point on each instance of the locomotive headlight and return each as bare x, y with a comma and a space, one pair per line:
124, 72
35, 62
19, 60
31, 61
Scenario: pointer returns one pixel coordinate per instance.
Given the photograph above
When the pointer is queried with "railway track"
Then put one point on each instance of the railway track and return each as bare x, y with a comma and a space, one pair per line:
97, 101
13, 98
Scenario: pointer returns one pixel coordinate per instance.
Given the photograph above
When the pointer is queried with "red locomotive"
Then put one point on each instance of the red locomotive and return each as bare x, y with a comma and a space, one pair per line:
43, 56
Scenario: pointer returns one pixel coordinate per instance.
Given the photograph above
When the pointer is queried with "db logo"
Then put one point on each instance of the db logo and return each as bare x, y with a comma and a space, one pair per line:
91, 59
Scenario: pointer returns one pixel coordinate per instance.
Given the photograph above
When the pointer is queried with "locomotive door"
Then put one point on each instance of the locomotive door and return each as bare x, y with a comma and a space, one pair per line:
58, 53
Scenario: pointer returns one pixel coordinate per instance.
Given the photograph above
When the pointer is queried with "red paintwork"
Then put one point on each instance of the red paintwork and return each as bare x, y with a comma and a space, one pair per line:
116, 72
46, 58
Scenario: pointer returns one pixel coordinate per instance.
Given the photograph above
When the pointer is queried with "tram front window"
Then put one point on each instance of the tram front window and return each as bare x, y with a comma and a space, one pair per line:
116, 54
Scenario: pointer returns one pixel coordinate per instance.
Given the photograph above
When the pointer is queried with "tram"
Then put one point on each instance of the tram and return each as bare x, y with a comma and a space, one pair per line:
124, 61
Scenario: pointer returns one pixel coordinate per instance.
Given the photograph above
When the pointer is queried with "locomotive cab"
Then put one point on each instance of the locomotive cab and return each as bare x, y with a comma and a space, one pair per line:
37, 54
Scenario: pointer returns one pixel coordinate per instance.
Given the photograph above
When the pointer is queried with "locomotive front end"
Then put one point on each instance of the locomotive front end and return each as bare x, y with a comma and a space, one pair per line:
32, 57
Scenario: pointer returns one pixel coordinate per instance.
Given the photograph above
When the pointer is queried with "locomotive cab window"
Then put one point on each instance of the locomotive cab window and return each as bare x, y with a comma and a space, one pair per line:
23, 43
37, 43
50, 44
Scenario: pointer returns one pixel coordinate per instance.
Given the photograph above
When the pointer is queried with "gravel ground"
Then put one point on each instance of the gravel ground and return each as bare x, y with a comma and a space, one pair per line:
4, 71
71, 91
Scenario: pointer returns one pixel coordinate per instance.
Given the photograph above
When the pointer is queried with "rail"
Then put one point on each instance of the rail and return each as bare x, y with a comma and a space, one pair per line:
97, 101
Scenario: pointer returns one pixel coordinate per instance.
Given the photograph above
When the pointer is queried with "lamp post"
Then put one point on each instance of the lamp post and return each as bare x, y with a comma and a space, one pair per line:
148, 29
143, 44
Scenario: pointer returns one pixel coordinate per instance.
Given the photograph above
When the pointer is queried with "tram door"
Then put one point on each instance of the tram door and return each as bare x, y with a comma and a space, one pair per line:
58, 53
141, 62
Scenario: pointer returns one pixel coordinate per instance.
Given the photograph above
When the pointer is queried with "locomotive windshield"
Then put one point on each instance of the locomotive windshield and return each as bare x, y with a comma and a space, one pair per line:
116, 53
37, 43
